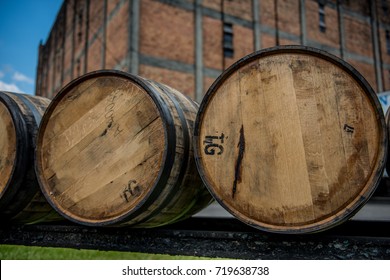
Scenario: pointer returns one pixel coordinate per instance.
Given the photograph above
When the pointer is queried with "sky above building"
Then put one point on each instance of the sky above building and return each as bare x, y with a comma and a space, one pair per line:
23, 24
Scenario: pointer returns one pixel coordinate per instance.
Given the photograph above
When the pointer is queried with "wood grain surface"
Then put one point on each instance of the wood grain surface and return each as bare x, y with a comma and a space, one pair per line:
290, 140
387, 120
7, 146
110, 151
21, 200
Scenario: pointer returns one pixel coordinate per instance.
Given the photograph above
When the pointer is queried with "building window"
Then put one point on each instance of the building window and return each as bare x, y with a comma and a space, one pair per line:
80, 25
80, 15
388, 41
80, 36
228, 50
321, 14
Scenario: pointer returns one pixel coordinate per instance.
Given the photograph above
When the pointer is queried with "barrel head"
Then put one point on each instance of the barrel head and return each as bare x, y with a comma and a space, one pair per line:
100, 149
291, 140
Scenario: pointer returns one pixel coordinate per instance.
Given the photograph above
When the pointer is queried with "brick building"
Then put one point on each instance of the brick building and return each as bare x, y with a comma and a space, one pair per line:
187, 43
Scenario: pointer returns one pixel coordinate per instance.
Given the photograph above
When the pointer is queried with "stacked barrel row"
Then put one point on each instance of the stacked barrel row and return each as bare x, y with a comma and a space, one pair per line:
114, 148
289, 139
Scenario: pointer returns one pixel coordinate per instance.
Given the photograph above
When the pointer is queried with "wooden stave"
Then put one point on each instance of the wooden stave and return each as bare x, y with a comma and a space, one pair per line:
21, 200
387, 122
186, 114
136, 217
375, 177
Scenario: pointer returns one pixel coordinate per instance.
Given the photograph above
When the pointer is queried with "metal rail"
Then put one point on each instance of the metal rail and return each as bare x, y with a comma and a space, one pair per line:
215, 233
226, 238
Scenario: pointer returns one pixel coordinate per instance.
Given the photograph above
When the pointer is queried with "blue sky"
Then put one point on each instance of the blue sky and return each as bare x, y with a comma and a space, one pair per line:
23, 24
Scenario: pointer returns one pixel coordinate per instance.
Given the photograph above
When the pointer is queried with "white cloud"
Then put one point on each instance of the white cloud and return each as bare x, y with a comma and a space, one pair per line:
9, 87
22, 78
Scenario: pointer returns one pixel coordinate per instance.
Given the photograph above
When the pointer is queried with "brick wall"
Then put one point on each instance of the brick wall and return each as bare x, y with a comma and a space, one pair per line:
161, 44
386, 78
212, 43
95, 35
238, 8
167, 32
183, 82
288, 17
117, 41
358, 36
243, 44
331, 35
69, 39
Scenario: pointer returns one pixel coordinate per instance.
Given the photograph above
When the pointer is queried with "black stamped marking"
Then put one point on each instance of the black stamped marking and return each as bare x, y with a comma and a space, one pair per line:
131, 190
210, 146
348, 129
238, 167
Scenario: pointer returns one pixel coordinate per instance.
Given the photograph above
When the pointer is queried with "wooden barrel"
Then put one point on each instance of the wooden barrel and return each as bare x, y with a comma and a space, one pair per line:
291, 140
21, 200
114, 148
387, 121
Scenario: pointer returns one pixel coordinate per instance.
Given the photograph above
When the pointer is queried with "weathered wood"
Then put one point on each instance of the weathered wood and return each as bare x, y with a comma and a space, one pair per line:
291, 140
114, 148
7, 146
21, 200
387, 120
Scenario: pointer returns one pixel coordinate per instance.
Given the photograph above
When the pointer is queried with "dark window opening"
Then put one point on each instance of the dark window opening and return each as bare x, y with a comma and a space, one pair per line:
80, 25
80, 15
228, 50
388, 41
321, 14
80, 36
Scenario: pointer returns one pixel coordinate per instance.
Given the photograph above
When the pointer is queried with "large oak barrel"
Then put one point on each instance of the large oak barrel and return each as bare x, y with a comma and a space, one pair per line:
116, 149
21, 200
291, 140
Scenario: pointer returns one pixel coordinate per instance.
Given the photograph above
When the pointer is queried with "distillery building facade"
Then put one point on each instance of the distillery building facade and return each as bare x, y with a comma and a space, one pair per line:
187, 43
